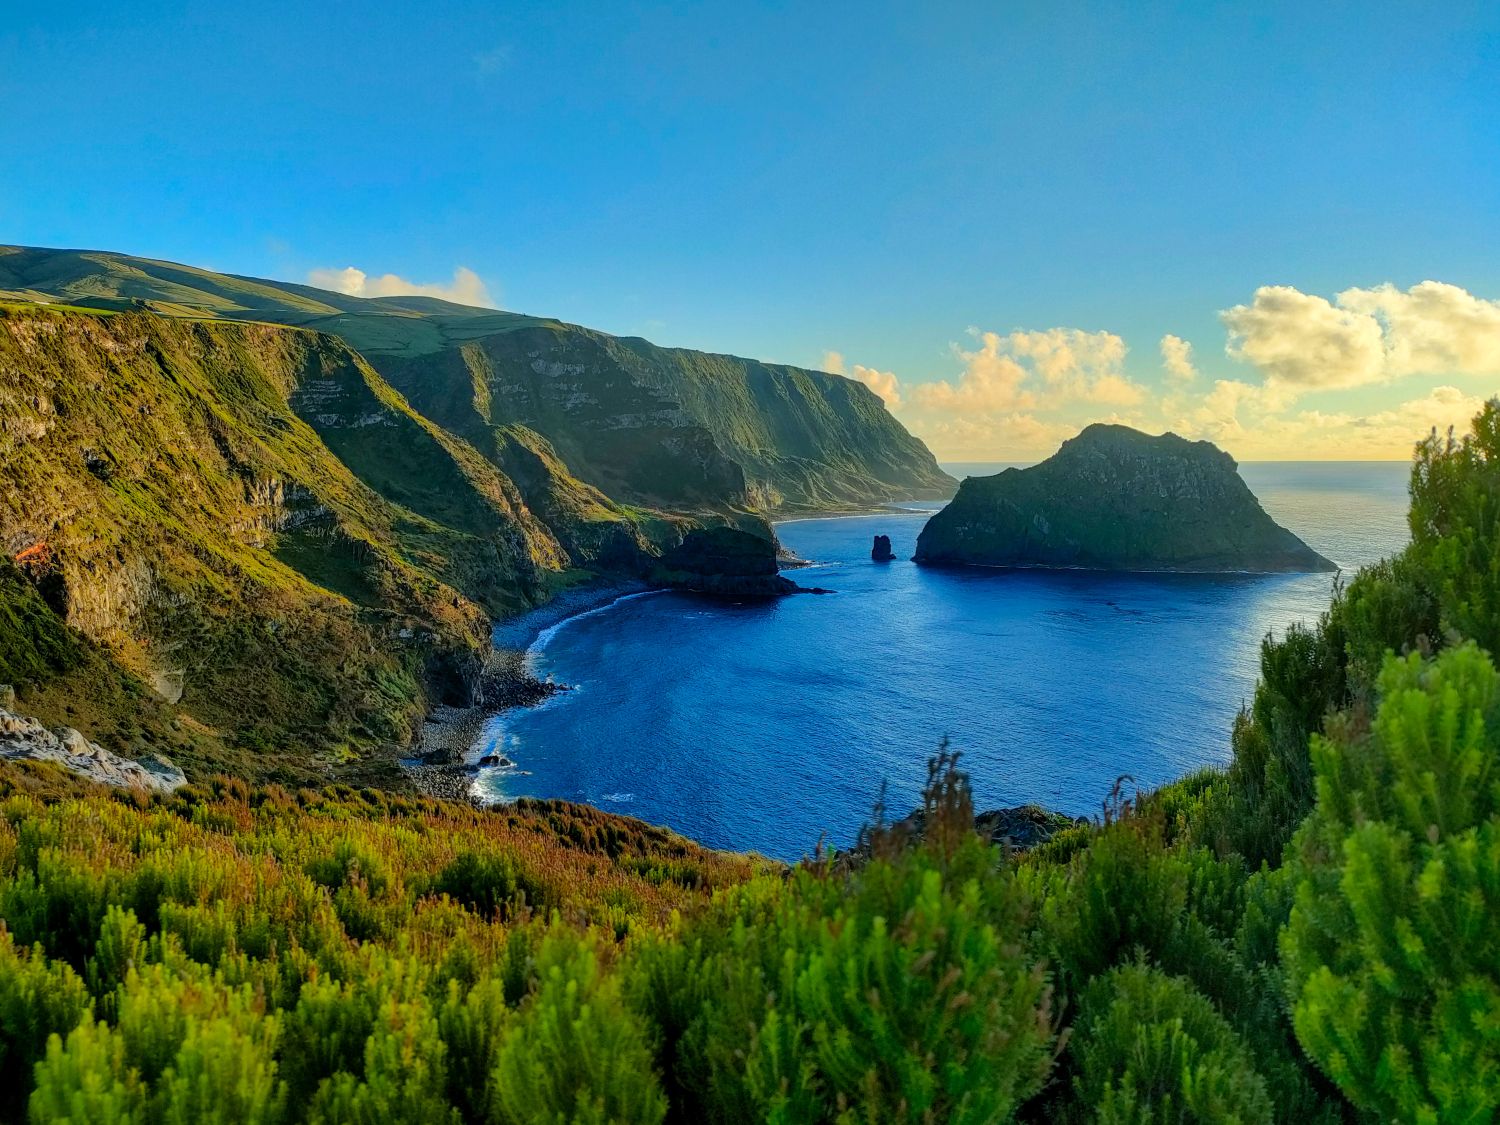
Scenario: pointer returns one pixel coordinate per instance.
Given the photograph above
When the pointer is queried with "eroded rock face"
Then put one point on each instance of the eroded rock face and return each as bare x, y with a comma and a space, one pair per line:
1114, 498
25, 738
726, 561
882, 552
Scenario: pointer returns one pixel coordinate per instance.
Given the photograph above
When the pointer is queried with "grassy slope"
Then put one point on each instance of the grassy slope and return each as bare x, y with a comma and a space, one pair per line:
797, 437
186, 480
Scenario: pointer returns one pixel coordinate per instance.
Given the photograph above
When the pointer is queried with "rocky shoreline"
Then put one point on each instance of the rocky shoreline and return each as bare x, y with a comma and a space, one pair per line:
438, 765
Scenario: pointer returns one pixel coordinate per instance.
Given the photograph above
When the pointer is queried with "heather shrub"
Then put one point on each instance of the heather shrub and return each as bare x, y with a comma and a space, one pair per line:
899, 990
84, 1079
487, 884
402, 1078
1391, 952
38, 999
574, 1054
1150, 1049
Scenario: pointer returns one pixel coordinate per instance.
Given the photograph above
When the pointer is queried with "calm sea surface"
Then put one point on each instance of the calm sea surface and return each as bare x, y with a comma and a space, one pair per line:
767, 725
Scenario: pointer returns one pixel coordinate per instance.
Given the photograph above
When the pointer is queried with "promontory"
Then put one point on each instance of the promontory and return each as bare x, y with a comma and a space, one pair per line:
1114, 498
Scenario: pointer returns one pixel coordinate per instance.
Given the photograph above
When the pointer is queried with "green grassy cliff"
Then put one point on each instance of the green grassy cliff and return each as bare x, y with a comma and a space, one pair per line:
252, 522
663, 427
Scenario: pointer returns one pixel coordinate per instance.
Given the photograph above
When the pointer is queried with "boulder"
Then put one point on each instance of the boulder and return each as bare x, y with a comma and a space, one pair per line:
22, 737
882, 552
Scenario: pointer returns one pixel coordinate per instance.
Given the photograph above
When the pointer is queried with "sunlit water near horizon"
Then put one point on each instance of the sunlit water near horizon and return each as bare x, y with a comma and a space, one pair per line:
768, 725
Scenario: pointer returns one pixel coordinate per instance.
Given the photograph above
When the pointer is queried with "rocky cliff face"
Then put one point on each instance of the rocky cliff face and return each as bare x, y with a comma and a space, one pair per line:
1116, 499
249, 518
664, 427
725, 561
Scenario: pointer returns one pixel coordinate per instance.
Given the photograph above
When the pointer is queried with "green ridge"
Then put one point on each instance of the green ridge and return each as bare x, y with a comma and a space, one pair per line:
648, 425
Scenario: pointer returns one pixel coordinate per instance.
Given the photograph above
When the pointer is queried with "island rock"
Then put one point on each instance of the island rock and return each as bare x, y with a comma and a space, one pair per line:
1113, 498
882, 552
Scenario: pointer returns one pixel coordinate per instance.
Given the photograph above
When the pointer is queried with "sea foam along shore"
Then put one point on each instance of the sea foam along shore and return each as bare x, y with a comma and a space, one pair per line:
440, 765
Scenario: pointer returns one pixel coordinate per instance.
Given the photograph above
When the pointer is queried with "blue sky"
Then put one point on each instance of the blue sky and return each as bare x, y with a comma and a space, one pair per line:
1015, 202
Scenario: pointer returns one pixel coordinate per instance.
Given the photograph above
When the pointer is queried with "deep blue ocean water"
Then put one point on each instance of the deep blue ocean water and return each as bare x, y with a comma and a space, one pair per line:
767, 725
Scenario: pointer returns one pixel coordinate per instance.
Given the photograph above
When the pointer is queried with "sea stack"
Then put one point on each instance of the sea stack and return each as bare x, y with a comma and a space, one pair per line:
1113, 498
882, 552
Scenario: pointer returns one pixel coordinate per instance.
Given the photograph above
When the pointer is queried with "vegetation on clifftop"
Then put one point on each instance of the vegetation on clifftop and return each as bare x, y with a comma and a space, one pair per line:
662, 427
185, 495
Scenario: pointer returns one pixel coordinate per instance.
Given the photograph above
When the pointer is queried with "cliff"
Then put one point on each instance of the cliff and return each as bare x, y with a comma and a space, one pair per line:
247, 519
663, 427
1114, 498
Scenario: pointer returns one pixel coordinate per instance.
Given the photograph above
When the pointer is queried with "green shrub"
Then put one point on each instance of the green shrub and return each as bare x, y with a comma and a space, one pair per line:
403, 1079
471, 1023
222, 1074
38, 999
897, 993
575, 1054
489, 885
1392, 953
84, 1081
1150, 1050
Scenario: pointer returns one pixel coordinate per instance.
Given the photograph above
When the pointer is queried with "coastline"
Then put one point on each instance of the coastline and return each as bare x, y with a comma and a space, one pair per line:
436, 764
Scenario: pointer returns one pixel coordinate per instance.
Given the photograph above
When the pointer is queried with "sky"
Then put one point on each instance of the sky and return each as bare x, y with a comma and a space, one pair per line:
1275, 226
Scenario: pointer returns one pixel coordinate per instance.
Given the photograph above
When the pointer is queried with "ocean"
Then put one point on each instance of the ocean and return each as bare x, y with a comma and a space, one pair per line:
771, 725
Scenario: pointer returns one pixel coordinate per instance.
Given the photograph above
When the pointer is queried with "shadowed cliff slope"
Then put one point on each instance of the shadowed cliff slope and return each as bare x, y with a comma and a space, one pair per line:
1114, 498
664, 427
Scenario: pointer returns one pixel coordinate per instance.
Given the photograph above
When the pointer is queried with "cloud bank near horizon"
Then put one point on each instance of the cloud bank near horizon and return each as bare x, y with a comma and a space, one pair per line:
1017, 395
466, 288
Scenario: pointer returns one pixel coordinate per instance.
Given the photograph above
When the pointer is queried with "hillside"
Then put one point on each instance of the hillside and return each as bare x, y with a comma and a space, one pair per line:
251, 521
1302, 936
1113, 498
657, 426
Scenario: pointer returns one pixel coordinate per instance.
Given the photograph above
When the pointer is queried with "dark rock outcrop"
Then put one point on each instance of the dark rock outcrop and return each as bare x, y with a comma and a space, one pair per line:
882, 552
1114, 498
1021, 828
724, 561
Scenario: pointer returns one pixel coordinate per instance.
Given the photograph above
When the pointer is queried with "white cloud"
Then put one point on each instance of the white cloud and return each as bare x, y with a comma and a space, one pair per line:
1365, 336
466, 288
883, 383
1304, 341
1251, 421
1023, 370
1177, 359
1432, 328
1018, 436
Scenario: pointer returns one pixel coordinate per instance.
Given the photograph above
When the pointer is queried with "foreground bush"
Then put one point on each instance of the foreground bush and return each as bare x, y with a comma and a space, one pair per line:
1392, 950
